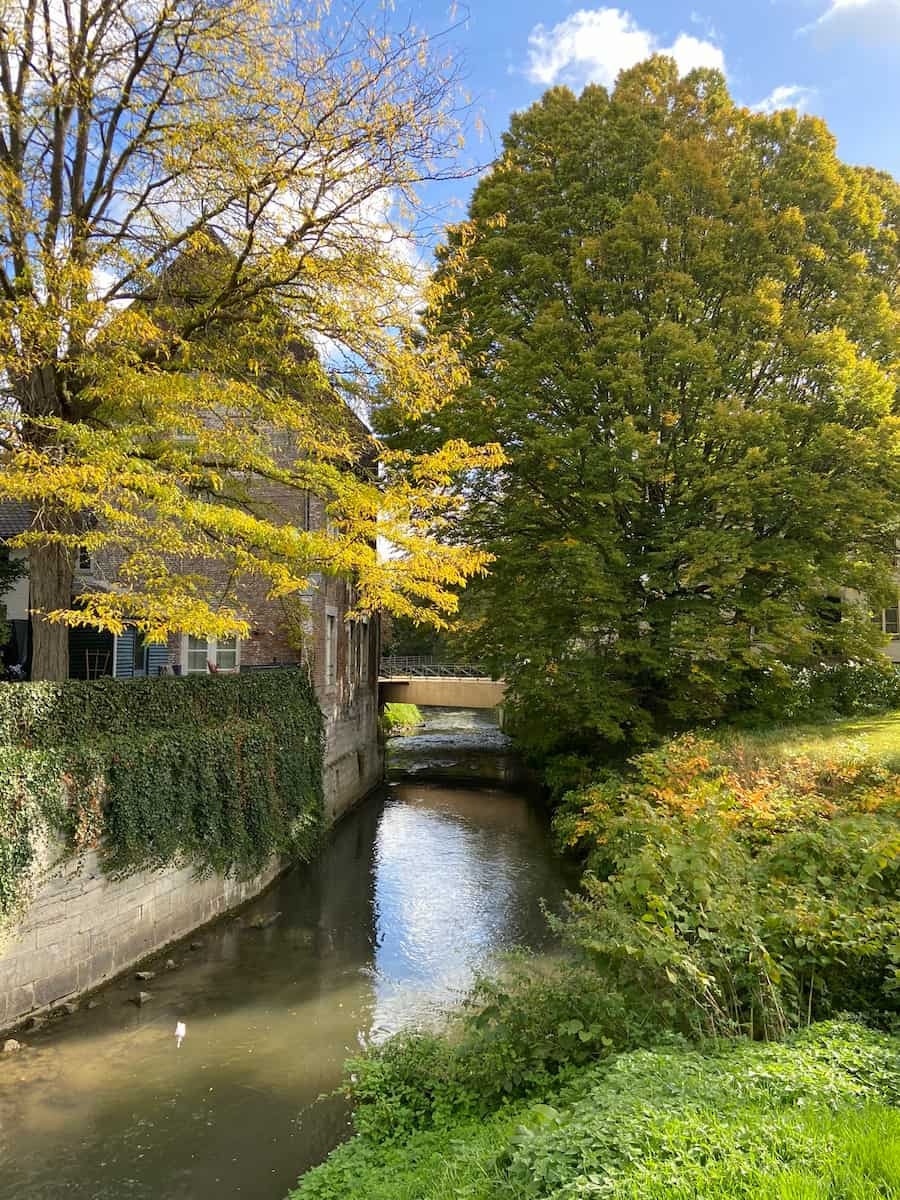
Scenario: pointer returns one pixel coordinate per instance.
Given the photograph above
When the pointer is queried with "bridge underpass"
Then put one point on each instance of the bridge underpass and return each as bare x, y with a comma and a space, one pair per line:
427, 683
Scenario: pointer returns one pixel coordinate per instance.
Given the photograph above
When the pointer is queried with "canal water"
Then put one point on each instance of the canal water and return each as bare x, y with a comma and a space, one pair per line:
416, 891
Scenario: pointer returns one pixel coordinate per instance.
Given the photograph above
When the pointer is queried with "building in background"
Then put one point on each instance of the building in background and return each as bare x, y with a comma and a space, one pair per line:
307, 631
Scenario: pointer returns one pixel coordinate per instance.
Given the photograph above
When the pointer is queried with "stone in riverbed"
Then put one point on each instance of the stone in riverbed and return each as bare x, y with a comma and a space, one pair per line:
10, 1046
70, 1008
265, 921
196, 945
142, 998
171, 964
144, 976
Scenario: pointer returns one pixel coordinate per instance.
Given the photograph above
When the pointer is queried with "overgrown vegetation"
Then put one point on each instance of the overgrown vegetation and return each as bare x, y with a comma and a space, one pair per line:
400, 718
821, 692
810, 1119
743, 892
219, 772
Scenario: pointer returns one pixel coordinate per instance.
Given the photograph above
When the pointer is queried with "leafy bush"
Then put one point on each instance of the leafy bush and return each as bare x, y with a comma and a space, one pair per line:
515, 1037
731, 1121
738, 897
725, 1123
398, 718
220, 772
828, 690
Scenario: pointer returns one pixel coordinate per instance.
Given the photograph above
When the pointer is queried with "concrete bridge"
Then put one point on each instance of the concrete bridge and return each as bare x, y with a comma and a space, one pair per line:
427, 683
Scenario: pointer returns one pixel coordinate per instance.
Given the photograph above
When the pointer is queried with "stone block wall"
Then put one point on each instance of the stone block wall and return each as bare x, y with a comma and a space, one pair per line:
83, 928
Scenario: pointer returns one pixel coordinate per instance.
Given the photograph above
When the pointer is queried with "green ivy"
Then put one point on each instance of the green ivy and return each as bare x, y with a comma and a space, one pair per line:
223, 773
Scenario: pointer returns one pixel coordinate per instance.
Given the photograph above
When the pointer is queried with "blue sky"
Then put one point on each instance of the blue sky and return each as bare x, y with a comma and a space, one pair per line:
839, 59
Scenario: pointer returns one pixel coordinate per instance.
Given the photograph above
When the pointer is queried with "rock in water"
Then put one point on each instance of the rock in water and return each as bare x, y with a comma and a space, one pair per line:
145, 975
10, 1046
264, 922
143, 997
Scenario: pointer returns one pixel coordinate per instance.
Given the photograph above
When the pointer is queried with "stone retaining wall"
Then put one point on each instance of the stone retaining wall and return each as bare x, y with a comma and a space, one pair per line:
83, 928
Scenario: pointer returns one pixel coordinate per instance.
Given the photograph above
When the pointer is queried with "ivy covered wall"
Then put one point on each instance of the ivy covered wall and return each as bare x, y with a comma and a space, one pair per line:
219, 772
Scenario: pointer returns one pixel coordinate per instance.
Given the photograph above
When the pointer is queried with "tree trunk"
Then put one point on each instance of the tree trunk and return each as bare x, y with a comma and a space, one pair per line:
51, 573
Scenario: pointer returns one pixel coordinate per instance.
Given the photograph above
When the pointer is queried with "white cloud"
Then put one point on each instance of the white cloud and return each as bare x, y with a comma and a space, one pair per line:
791, 95
871, 21
594, 45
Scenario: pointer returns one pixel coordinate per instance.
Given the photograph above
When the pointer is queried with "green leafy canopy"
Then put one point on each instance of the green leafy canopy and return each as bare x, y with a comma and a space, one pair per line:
682, 325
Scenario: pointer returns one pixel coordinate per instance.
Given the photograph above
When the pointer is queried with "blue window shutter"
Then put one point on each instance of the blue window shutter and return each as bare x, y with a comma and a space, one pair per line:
125, 654
157, 657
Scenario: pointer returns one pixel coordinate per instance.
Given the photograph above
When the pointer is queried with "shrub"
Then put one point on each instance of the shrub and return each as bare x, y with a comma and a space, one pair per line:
727, 1121
827, 690
514, 1038
740, 899
400, 718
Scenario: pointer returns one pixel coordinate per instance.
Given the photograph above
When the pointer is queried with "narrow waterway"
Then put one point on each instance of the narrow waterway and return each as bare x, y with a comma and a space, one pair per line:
416, 890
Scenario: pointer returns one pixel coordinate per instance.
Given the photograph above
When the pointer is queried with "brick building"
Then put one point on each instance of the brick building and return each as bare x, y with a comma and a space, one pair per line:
309, 630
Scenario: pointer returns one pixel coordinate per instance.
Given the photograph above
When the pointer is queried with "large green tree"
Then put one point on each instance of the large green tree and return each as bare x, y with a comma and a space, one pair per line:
683, 327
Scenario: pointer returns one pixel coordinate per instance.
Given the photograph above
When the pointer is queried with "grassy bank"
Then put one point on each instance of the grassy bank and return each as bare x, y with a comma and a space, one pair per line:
741, 891
810, 1119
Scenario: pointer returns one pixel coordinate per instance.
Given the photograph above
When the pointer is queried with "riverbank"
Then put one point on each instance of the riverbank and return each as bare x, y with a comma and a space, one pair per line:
745, 885
813, 1118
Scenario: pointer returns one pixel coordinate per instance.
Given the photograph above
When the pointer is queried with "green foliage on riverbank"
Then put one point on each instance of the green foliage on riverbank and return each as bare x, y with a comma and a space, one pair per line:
222, 773
398, 718
746, 892
809, 1118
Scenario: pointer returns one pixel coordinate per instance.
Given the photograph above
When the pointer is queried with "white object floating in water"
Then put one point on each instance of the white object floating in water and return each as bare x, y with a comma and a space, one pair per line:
180, 1033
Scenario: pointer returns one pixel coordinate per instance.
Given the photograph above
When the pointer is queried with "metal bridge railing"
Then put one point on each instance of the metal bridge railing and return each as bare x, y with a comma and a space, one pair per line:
399, 667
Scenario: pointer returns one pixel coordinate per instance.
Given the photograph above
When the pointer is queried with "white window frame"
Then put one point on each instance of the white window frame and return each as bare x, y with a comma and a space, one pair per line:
331, 646
880, 619
212, 649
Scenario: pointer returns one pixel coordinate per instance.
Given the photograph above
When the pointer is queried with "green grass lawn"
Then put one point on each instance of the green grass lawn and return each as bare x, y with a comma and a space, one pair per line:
876, 736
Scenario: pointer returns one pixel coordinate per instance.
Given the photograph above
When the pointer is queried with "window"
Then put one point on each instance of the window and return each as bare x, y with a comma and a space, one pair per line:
331, 626
201, 654
888, 621
85, 561
364, 650
139, 654
226, 654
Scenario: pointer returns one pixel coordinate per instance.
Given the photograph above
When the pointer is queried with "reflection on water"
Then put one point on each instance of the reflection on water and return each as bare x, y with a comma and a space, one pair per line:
415, 891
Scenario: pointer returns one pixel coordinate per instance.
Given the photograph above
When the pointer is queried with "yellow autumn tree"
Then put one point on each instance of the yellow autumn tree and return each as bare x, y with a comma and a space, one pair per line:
204, 250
